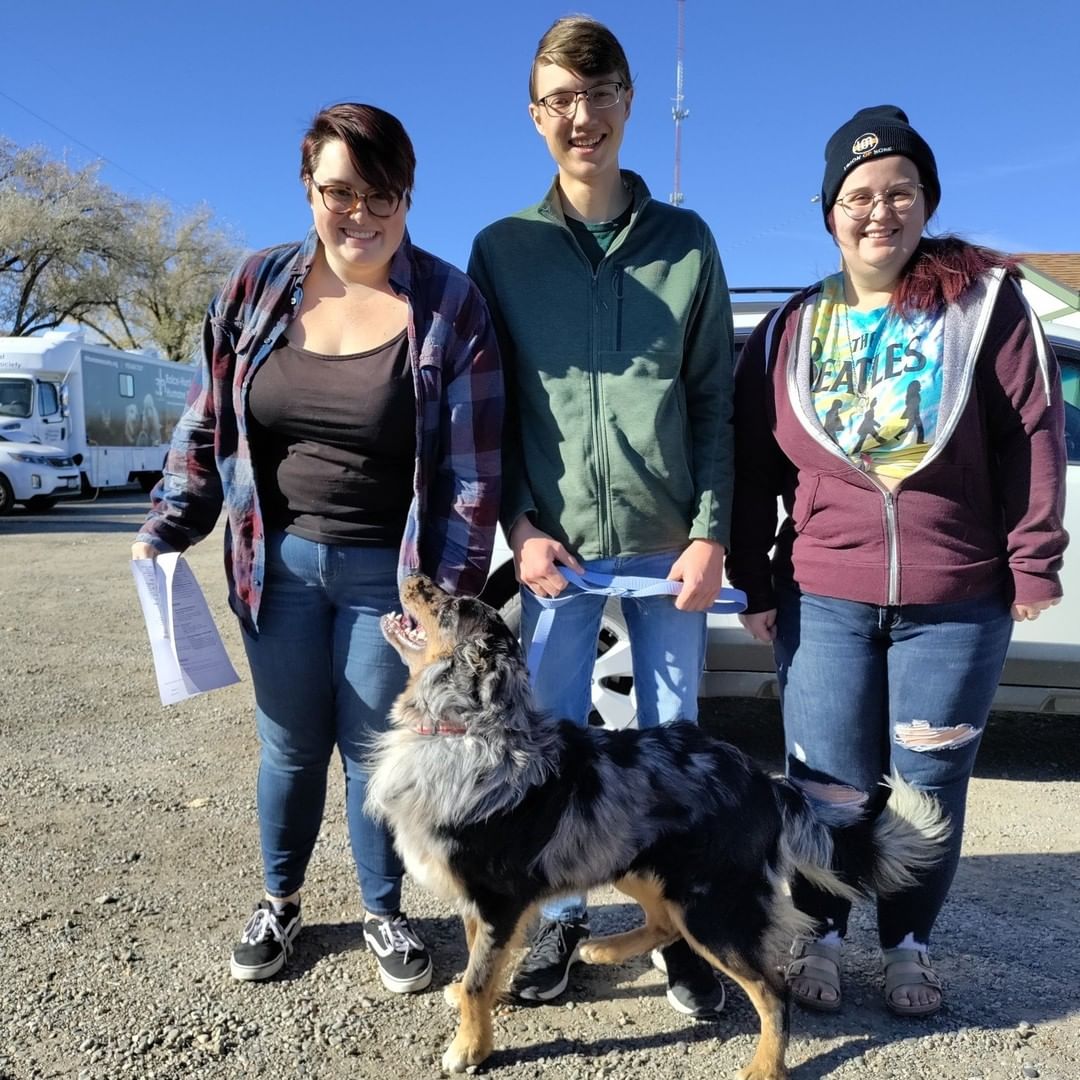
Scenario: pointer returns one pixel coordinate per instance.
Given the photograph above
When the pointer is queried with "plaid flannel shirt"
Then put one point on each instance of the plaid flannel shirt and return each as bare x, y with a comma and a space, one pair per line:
459, 405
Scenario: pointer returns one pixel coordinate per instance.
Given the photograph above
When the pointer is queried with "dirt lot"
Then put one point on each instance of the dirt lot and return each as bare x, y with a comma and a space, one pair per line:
129, 859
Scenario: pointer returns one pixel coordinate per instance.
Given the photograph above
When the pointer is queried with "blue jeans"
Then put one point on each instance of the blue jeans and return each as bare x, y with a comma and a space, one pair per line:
667, 654
324, 676
867, 690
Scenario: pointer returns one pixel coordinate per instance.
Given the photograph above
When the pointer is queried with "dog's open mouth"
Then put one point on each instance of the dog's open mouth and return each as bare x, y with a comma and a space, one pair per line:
402, 631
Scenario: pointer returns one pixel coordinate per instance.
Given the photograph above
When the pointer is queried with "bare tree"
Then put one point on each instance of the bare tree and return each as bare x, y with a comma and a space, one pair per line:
177, 265
74, 250
64, 241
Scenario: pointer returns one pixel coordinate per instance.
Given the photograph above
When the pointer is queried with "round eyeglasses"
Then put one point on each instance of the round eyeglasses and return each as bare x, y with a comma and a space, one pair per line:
339, 199
564, 102
859, 205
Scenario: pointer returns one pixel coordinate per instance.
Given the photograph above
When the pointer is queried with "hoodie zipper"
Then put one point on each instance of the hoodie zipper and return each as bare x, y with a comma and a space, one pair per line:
892, 529
599, 438
892, 532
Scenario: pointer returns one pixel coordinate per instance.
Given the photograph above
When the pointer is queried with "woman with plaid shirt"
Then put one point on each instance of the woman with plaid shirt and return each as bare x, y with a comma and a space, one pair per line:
347, 418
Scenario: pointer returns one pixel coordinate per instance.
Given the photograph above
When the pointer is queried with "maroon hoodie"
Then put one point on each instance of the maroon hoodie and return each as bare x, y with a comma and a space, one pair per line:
983, 510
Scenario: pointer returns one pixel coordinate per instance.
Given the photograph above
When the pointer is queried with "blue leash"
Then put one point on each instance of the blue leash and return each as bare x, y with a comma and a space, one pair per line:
730, 601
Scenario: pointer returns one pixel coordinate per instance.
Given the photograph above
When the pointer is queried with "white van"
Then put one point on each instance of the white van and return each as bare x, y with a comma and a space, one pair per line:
111, 412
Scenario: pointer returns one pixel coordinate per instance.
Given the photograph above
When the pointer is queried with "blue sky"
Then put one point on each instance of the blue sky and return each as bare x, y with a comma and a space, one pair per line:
207, 101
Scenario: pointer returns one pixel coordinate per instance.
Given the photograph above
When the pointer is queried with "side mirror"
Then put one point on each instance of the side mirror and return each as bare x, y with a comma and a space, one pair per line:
65, 401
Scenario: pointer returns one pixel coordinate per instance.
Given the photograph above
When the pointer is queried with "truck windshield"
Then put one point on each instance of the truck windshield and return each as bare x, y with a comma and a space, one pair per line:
16, 396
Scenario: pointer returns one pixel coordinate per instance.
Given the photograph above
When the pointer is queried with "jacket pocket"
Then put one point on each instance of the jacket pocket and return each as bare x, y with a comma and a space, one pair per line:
835, 513
644, 425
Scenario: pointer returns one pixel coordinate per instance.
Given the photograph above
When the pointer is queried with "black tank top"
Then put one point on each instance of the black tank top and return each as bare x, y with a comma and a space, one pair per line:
333, 442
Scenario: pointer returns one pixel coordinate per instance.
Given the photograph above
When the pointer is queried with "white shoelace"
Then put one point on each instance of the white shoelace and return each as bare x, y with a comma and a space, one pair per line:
264, 923
399, 936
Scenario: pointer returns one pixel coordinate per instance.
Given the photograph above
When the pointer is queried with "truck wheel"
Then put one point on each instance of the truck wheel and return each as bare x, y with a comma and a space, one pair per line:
40, 504
148, 480
7, 497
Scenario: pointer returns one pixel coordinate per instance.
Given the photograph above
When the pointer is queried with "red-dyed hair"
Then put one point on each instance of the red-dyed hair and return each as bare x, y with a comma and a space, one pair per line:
378, 146
940, 271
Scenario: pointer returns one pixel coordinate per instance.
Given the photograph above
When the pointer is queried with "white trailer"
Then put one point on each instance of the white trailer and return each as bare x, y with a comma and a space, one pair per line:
112, 412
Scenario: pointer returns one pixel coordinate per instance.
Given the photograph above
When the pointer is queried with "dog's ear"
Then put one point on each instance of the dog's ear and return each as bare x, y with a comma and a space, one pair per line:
474, 656
478, 659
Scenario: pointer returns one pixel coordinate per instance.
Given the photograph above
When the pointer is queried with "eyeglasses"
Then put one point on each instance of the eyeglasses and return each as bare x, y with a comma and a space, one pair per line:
564, 102
859, 205
339, 199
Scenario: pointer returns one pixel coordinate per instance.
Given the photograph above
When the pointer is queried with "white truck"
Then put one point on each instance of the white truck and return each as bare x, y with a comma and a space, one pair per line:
111, 412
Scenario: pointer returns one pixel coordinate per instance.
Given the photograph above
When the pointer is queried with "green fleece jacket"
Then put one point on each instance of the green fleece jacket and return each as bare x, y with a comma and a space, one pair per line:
618, 436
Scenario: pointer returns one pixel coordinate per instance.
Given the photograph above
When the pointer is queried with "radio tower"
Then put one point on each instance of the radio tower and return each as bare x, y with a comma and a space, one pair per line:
678, 113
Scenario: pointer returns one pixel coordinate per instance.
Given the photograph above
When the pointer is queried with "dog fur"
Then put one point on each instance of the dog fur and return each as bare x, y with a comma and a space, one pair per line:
496, 807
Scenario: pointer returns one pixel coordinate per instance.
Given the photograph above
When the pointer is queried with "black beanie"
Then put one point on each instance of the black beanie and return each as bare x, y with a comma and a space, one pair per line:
873, 133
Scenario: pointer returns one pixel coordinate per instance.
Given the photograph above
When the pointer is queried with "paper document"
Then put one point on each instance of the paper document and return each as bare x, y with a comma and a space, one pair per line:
189, 657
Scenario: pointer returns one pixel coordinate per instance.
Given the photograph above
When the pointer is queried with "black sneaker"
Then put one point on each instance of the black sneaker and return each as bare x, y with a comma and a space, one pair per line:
693, 988
545, 970
404, 962
266, 941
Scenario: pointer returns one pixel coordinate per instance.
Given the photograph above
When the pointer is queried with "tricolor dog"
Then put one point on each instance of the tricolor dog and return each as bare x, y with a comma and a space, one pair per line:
495, 807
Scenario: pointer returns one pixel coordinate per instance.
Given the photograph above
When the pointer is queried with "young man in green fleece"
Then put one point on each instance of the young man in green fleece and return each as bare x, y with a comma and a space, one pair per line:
614, 324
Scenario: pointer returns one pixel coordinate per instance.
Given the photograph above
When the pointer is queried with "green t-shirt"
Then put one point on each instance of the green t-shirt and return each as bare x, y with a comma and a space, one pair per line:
596, 237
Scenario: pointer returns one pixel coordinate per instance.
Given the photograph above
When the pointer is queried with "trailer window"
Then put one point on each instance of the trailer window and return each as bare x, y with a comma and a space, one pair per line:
127, 385
48, 399
16, 397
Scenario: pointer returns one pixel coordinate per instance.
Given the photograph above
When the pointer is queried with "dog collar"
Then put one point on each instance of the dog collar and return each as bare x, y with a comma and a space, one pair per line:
441, 727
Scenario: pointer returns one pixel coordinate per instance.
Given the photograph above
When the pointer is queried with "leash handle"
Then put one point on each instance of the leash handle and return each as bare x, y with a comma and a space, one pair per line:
729, 601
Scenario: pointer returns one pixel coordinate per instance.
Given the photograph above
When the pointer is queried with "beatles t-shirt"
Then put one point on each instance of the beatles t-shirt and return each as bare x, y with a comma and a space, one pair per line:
876, 381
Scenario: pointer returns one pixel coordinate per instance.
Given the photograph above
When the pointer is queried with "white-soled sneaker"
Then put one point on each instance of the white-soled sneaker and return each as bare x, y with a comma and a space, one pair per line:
266, 941
404, 962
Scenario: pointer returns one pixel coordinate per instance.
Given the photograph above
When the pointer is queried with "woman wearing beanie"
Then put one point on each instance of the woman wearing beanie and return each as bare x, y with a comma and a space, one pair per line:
907, 410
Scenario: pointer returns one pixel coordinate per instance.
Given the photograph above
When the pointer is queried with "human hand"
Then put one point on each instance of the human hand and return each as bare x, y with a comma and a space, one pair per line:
141, 550
1033, 609
762, 625
701, 570
536, 559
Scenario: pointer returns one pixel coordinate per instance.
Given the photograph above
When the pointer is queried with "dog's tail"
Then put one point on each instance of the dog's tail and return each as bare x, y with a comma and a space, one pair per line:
846, 848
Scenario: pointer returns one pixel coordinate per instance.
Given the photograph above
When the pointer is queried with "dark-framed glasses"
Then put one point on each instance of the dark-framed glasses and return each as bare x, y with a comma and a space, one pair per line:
564, 102
339, 199
860, 204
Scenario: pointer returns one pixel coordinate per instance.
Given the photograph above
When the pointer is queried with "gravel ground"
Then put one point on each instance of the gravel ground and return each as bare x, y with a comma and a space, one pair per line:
129, 860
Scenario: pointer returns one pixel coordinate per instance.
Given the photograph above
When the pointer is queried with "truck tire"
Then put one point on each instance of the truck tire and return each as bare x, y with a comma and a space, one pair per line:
7, 497
148, 480
40, 504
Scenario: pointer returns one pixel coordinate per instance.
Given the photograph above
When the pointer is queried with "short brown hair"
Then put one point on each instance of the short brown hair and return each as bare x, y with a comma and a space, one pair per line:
582, 45
378, 145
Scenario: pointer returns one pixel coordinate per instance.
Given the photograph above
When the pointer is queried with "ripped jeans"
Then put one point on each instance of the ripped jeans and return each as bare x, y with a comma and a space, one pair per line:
868, 690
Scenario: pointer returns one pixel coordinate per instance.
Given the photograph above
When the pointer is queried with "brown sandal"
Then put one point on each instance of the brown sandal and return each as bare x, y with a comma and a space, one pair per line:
910, 968
819, 963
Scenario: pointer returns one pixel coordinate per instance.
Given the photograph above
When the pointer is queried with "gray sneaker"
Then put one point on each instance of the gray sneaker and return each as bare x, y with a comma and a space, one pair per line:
545, 970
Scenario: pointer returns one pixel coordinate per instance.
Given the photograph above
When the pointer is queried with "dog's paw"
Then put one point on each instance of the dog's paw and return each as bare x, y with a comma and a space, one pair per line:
462, 1053
452, 995
756, 1071
596, 952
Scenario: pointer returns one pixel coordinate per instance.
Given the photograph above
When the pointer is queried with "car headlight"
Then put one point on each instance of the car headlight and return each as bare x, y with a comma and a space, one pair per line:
33, 459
